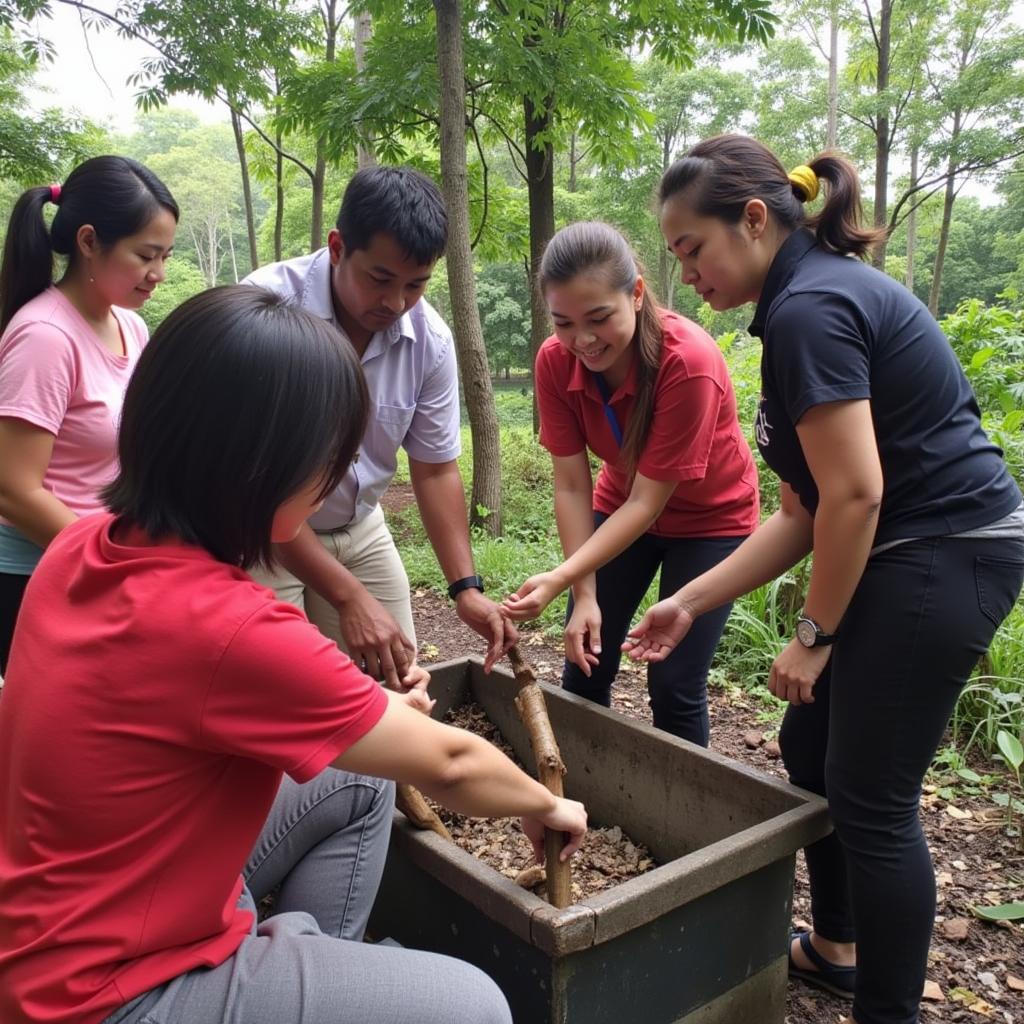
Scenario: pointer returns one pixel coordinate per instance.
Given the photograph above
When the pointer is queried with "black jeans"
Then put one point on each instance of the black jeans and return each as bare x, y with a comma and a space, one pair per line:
922, 615
12, 590
678, 685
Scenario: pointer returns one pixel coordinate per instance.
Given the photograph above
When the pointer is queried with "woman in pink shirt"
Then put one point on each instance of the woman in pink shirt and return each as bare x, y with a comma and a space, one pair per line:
68, 349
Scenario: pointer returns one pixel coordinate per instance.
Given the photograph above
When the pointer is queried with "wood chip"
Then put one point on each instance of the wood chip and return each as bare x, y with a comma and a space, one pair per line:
1014, 983
956, 812
956, 928
933, 993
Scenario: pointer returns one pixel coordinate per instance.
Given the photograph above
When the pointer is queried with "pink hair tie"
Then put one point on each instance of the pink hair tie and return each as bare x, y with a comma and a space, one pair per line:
55, 194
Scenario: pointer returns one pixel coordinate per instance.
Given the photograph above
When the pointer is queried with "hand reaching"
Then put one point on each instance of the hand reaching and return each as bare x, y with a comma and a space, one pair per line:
659, 631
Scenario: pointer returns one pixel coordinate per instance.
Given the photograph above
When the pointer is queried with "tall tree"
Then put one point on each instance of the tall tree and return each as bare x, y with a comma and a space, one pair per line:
974, 77
485, 502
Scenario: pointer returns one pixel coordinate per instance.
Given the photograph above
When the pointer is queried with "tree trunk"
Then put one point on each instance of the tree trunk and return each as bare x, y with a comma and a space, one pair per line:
915, 155
572, 163
947, 217
243, 163
882, 130
540, 184
316, 231
363, 32
833, 76
278, 199
663, 263
469, 338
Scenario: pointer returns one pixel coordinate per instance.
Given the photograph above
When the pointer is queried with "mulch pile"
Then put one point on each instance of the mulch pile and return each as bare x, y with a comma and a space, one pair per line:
607, 857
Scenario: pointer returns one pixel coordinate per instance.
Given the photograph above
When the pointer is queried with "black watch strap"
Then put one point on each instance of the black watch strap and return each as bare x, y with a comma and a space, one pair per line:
466, 583
810, 634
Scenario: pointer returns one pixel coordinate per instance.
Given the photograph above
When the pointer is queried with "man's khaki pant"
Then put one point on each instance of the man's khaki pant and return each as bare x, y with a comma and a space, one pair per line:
368, 551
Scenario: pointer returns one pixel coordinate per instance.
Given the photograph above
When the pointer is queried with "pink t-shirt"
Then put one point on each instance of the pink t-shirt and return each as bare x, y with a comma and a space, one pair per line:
56, 374
153, 698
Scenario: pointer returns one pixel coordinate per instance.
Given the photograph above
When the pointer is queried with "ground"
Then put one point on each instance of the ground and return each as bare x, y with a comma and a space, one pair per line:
977, 967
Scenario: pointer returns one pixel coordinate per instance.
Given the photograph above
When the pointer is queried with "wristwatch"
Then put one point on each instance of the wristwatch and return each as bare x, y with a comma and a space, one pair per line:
466, 583
810, 634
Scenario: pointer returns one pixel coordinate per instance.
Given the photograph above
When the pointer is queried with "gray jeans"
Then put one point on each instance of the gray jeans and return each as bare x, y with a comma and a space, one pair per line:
324, 845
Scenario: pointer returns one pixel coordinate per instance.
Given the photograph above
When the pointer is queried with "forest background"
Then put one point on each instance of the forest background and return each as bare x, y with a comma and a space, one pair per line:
534, 115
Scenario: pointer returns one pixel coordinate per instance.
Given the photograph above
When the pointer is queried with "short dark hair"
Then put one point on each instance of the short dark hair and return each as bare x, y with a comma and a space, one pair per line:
238, 401
400, 202
116, 195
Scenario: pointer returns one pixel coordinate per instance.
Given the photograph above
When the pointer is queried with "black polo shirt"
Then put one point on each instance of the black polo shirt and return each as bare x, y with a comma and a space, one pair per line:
834, 328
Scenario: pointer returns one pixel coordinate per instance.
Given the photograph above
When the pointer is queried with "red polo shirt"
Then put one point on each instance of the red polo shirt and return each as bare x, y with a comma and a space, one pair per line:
695, 437
153, 699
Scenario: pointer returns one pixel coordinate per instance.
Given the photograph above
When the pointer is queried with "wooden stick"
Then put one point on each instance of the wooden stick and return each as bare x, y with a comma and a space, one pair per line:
550, 770
410, 801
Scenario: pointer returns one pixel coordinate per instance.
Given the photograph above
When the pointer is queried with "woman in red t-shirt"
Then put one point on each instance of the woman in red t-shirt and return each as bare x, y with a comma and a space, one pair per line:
157, 696
648, 392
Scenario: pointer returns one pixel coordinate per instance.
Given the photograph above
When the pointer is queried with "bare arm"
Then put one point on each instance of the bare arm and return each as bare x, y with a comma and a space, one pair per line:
775, 546
25, 453
442, 504
646, 500
459, 770
838, 441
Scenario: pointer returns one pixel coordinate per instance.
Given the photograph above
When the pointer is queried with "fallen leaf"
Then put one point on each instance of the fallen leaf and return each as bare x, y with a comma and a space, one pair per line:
956, 812
933, 993
960, 865
956, 928
943, 878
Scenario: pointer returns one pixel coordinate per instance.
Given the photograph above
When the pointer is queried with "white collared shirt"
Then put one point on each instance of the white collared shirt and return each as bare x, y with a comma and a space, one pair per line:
411, 375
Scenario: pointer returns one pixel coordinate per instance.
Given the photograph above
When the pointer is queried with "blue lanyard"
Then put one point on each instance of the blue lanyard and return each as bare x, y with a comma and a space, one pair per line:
602, 386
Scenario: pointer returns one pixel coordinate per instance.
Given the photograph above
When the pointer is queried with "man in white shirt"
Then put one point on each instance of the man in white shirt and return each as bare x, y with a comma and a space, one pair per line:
344, 568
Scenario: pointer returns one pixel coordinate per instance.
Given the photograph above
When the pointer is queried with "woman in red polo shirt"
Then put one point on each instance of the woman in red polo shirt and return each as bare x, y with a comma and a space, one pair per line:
648, 392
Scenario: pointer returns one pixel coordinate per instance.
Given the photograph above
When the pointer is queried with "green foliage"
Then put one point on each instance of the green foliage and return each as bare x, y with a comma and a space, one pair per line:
503, 296
35, 147
182, 282
989, 342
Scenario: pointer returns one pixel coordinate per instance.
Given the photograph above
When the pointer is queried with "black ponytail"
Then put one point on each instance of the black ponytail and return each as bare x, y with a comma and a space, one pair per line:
720, 175
114, 194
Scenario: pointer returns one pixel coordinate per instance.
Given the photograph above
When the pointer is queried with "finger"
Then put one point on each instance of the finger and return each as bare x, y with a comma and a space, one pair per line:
594, 631
402, 653
389, 671
511, 634
656, 652
572, 844
494, 651
575, 652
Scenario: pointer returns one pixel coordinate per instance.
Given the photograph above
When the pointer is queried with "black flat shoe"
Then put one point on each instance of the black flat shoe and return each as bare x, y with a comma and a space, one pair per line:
828, 976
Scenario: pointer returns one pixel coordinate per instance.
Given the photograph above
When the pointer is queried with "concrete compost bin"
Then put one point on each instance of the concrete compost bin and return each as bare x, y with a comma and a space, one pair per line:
701, 939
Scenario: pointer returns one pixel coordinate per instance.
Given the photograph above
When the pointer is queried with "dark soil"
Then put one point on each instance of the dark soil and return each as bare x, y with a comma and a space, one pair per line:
976, 967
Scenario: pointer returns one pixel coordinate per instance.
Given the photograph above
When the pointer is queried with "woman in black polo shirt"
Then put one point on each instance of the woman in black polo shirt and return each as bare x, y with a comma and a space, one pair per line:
915, 526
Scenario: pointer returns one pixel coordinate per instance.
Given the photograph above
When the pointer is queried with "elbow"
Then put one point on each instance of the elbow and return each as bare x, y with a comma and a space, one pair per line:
453, 766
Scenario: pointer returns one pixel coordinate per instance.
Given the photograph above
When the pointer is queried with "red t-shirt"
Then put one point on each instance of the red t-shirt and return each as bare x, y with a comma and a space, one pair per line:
694, 438
154, 697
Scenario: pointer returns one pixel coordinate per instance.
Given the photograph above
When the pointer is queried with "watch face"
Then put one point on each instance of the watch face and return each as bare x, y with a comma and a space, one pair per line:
806, 633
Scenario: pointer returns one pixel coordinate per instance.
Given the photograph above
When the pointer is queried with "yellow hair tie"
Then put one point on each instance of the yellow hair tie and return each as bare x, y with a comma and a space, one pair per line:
806, 180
